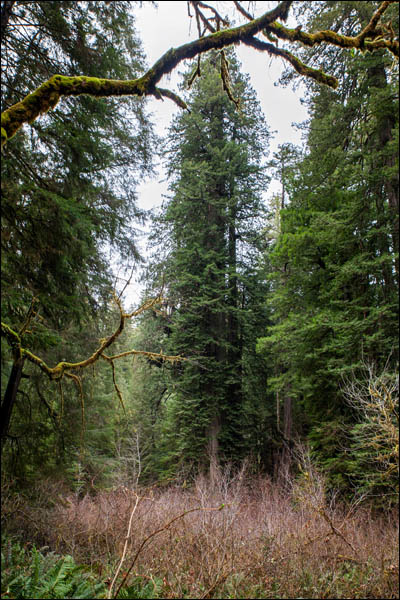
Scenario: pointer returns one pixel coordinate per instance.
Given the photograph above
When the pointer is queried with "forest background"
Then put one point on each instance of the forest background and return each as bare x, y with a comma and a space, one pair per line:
265, 356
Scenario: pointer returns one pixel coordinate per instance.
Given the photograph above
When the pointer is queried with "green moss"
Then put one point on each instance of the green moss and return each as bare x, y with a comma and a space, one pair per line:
97, 83
49, 93
143, 82
5, 120
10, 334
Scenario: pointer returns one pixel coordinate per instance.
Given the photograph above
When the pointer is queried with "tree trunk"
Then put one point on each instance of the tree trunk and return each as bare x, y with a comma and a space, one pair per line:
10, 396
6, 12
213, 449
233, 333
386, 123
287, 434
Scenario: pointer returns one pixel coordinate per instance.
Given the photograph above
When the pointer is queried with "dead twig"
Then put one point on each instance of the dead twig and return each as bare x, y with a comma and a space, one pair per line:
164, 528
109, 595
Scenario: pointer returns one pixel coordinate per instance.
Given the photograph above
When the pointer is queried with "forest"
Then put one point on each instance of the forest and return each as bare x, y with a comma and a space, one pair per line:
234, 434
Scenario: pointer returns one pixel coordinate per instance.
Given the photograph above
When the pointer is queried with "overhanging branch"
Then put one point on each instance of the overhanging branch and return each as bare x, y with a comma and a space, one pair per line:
375, 35
370, 38
298, 65
57, 372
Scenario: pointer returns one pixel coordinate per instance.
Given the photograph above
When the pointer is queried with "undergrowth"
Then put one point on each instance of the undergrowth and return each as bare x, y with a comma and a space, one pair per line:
237, 538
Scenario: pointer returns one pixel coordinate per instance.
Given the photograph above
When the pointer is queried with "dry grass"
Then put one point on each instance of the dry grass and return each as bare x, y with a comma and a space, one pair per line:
263, 543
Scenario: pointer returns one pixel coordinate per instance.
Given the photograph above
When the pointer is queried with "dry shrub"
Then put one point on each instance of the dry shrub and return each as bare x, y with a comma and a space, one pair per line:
262, 543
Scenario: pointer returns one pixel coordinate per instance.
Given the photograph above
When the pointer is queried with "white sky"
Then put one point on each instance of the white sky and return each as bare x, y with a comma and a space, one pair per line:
169, 26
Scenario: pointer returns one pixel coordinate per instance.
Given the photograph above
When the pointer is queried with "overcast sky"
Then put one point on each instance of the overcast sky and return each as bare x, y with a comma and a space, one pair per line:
169, 26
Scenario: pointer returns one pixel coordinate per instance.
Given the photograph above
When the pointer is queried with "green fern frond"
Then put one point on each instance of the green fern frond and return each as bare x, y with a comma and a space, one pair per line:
30, 574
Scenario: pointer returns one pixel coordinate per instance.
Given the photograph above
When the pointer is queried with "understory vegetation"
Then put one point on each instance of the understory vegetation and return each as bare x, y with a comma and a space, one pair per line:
239, 537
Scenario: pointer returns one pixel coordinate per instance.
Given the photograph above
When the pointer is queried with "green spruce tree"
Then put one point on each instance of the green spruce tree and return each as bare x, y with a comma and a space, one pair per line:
334, 266
68, 193
213, 285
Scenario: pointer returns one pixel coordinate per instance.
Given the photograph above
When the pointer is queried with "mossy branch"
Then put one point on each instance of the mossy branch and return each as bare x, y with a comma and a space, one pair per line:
161, 93
57, 372
370, 38
49, 93
71, 370
226, 80
45, 97
298, 65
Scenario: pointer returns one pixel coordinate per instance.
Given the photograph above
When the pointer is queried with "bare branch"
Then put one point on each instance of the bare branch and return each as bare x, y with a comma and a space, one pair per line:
78, 382
163, 528
216, 14
121, 562
119, 394
30, 314
242, 10
201, 17
47, 96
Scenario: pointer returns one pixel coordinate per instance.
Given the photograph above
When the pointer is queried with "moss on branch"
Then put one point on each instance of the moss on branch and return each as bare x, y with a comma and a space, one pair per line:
299, 66
333, 38
57, 372
372, 37
49, 93
70, 369
150, 355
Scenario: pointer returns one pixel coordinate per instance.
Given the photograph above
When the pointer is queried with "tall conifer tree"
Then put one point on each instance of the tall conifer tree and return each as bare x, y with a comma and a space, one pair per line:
212, 221
68, 191
334, 266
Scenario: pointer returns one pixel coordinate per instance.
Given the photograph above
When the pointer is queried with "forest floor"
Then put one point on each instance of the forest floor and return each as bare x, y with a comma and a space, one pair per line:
237, 538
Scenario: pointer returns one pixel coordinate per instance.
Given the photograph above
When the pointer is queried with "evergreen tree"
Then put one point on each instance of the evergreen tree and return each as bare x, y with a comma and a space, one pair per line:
68, 192
50, 182
214, 289
334, 265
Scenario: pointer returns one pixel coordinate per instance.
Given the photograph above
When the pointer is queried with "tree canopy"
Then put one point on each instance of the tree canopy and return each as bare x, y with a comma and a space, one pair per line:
374, 36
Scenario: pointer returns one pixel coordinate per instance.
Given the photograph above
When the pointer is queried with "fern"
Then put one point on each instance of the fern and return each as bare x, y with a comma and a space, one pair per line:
31, 574
36, 568
142, 589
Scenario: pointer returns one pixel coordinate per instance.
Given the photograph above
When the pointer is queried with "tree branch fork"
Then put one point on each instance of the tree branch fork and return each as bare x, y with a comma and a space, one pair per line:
63, 368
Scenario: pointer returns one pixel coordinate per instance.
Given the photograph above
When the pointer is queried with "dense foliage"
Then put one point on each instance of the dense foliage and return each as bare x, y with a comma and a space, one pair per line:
239, 437
210, 232
313, 276
334, 264
68, 205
